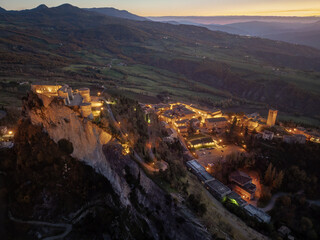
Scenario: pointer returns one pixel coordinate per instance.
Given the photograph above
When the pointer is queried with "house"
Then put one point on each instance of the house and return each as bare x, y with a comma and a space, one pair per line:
202, 142
162, 107
284, 231
3, 130
217, 189
219, 122
216, 113
183, 130
168, 116
194, 122
182, 112
194, 166
242, 184
181, 123
46, 89
298, 138
267, 135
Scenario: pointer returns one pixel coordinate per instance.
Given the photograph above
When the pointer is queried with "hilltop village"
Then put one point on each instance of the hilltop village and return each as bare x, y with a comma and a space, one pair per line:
208, 139
203, 134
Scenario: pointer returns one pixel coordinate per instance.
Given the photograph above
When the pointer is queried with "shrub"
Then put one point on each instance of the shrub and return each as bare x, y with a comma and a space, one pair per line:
65, 146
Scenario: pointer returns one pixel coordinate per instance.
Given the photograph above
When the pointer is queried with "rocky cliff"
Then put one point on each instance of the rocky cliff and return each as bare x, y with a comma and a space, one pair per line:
132, 205
62, 122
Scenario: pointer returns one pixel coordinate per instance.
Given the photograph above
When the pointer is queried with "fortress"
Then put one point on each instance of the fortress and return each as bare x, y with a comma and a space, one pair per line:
90, 106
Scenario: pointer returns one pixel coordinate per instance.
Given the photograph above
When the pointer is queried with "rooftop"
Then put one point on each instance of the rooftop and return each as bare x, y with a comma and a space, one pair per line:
240, 177
204, 140
256, 212
218, 187
250, 187
194, 164
237, 197
219, 119
182, 121
205, 176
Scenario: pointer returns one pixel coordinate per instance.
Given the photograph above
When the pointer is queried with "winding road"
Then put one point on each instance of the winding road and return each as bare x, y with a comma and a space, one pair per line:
273, 201
67, 227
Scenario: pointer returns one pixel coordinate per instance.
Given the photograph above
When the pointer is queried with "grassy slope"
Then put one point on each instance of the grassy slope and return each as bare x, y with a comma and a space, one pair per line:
184, 62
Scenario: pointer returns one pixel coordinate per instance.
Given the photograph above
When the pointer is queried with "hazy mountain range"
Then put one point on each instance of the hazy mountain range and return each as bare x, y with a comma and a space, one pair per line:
298, 30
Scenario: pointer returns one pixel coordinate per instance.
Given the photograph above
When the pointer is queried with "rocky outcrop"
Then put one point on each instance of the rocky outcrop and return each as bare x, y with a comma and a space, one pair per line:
62, 122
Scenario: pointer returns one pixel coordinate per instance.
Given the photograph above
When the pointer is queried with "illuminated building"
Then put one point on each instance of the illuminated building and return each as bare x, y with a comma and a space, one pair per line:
272, 116
243, 185
90, 107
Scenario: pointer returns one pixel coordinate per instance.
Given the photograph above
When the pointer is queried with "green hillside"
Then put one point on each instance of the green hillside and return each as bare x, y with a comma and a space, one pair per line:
153, 61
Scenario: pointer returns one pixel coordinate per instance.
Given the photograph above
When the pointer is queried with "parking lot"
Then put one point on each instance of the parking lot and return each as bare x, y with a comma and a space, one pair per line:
213, 155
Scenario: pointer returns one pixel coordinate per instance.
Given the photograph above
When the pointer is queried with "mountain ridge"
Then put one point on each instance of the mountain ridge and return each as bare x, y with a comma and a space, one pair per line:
113, 12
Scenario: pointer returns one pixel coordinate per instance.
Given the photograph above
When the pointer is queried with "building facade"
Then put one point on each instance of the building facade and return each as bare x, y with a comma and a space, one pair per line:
272, 116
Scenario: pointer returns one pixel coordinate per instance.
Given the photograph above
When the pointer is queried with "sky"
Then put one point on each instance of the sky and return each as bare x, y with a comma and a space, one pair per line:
187, 7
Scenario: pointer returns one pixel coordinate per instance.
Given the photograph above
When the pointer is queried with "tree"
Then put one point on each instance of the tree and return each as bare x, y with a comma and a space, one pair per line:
273, 175
246, 132
278, 180
65, 146
305, 224
268, 174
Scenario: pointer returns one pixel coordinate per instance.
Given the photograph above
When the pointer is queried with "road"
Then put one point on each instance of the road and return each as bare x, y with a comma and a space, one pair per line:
273, 201
280, 194
67, 227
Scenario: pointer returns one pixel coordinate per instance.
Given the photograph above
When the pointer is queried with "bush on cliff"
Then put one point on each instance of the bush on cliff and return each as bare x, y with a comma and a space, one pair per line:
65, 146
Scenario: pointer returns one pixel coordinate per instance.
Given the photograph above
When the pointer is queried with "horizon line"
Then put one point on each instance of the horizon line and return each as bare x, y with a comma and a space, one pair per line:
232, 16
158, 16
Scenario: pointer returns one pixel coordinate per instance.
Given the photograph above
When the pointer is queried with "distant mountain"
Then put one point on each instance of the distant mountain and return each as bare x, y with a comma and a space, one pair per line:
222, 20
304, 30
41, 7
113, 12
298, 33
309, 38
257, 28
225, 28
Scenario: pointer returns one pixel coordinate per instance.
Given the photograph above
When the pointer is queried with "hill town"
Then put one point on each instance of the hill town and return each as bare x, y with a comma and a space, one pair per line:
119, 126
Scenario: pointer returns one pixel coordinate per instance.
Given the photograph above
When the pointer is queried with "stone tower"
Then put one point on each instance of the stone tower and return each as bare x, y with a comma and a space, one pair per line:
272, 116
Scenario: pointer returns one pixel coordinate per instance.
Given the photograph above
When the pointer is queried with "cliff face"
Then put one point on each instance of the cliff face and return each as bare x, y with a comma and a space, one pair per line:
144, 202
62, 122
